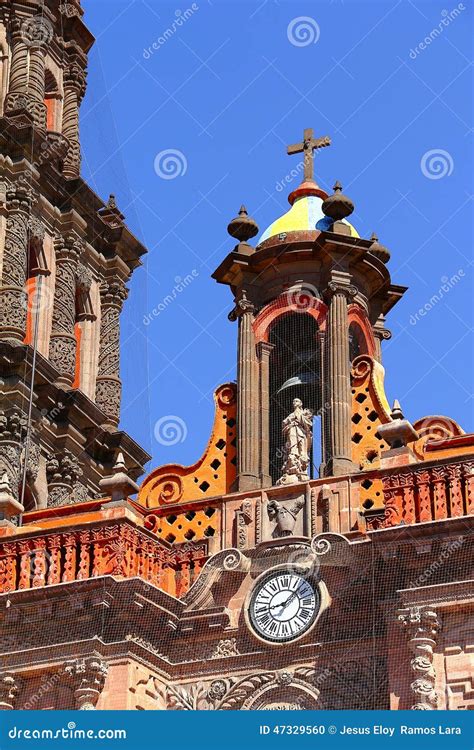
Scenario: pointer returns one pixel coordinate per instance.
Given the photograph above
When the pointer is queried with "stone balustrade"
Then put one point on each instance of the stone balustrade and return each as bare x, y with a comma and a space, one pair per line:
421, 493
117, 549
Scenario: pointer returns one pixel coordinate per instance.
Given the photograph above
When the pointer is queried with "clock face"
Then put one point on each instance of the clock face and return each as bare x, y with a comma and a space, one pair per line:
283, 606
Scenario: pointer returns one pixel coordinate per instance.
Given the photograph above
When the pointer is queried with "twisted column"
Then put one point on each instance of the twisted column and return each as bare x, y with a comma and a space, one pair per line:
74, 88
338, 442
421, 625
113, 294
62, 347
13, 297
36, 85
16, 97
247, 397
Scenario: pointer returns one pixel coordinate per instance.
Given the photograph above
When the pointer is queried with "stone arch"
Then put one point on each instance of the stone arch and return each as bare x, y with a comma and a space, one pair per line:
361, 330
284, 305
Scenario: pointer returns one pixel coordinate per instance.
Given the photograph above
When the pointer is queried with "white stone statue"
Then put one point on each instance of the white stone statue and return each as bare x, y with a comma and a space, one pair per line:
297, 430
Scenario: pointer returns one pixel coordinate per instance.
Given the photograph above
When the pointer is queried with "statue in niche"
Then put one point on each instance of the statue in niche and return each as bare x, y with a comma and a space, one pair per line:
297, 429
284, 515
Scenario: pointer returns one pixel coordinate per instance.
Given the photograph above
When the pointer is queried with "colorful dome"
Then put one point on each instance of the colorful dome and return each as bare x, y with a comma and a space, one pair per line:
306, 213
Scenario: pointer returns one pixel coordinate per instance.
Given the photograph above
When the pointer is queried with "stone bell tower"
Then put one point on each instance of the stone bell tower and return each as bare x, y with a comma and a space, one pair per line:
65, 258
309, 298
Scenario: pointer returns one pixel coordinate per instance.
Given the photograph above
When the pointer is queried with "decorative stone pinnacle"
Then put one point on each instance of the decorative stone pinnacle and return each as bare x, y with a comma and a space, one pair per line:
118, 484
243, 227
380, 251
396, 412
399, 431
337, 206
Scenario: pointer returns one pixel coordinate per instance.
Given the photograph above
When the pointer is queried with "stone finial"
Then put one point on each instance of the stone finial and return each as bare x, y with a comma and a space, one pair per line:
118, 484
399, 432
337, 206
243, 227
8, 505
380, 251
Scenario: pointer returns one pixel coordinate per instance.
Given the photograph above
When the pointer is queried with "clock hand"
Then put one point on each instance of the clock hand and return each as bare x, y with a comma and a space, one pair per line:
284, 604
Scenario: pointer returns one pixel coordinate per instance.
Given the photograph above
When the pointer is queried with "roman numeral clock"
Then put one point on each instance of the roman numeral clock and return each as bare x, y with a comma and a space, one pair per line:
283, 605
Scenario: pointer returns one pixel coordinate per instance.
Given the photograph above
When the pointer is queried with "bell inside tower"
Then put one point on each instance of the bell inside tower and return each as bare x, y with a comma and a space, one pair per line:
295, 373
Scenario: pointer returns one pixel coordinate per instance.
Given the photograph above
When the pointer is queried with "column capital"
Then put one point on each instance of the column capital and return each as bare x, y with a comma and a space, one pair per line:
264, 348
337, 286
20, 195
75, 78
113, 292
68, 247
9, 689
242, 307
88, 678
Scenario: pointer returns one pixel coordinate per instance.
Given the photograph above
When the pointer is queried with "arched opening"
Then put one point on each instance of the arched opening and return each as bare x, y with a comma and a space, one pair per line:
357, 341
52, 100
295, 372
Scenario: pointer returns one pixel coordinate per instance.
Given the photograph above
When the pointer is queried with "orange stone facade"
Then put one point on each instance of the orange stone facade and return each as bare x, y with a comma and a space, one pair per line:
143, 597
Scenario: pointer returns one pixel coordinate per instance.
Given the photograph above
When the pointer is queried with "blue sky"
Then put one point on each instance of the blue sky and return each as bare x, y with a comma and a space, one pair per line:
229, 84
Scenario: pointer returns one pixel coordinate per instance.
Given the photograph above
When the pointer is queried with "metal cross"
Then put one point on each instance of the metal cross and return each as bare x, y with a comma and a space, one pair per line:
308, 145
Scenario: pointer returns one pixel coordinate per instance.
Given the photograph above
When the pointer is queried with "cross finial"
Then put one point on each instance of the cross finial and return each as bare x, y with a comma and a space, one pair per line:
307, 146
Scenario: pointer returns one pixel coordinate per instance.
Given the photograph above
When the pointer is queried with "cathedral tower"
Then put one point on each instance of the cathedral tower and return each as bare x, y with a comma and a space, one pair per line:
65, 258
309, 299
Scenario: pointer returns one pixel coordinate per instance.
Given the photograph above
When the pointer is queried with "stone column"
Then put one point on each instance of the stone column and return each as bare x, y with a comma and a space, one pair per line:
13, 297
36, 85
421, 626
264, 351
380, 334
62, 347
338, 442
62, 473
87, 679
74, 88
9, 689
16, 97
12, 434
247, 398
113, 293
